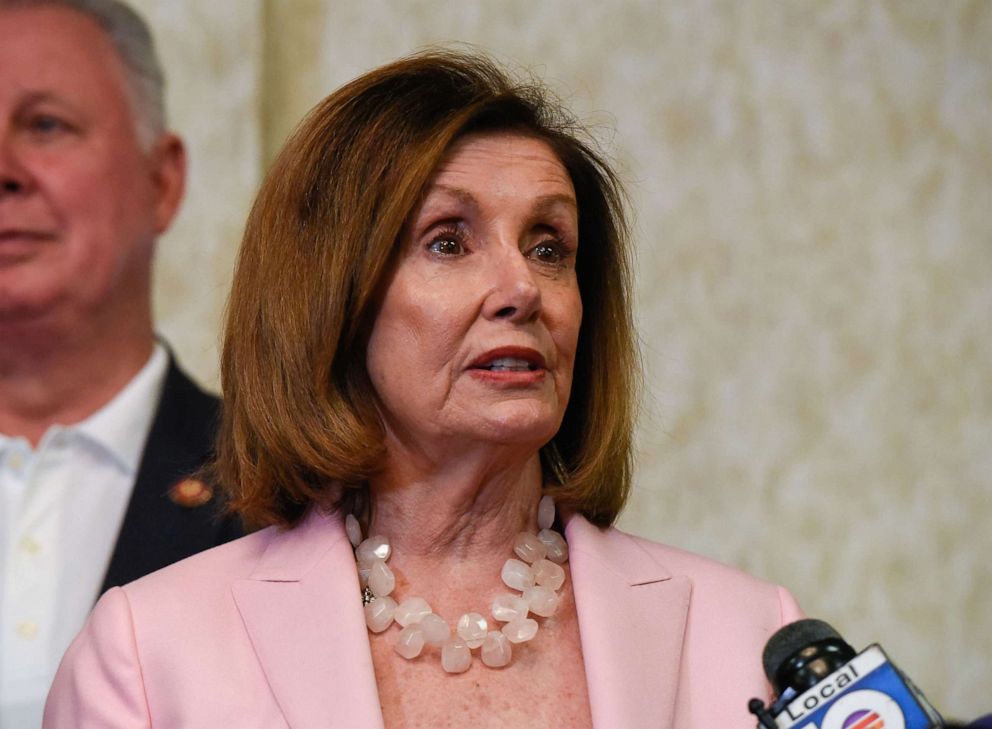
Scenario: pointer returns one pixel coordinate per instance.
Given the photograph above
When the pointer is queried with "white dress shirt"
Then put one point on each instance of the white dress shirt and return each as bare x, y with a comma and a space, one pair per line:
61, 507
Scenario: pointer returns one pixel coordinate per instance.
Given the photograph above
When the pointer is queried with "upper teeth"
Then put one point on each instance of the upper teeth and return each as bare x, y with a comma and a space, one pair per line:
509, 363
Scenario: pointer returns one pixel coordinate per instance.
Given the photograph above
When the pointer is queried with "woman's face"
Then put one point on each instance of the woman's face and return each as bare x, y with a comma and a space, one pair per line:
476, 335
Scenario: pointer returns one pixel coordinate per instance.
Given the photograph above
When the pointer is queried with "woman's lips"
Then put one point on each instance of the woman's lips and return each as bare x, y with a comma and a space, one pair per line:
512, 358
509, 365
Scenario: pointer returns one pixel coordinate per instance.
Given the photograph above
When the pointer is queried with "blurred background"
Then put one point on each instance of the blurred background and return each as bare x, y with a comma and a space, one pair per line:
812, 195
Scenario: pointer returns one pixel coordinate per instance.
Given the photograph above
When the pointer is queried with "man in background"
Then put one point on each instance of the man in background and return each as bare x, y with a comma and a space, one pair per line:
99, 430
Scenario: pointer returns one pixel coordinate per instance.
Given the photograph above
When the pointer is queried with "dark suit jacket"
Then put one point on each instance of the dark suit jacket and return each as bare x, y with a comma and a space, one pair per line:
156, 531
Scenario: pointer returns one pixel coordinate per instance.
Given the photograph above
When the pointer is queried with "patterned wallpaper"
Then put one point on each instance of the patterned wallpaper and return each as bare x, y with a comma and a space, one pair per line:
811, 184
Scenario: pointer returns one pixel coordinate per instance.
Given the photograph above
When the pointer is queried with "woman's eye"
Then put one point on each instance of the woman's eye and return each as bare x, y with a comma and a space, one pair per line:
445, 246
551, 253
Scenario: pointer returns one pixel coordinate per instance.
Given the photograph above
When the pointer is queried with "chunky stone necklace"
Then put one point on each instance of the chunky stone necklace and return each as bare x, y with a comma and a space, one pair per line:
536, 577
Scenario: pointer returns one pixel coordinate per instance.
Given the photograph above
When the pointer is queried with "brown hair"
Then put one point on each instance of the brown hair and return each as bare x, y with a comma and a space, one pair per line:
299, 417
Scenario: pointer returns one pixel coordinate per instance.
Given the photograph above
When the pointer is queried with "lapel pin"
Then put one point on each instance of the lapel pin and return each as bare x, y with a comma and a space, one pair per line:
190, 493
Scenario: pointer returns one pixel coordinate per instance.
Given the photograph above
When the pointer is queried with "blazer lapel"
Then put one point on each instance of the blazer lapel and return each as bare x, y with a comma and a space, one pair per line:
632, 615
302, 609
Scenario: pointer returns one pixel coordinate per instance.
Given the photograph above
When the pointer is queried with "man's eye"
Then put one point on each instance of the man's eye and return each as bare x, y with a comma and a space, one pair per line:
45, 124
445, 246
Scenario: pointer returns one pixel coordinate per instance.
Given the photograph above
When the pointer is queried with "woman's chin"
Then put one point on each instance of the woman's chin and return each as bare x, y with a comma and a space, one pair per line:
517, 428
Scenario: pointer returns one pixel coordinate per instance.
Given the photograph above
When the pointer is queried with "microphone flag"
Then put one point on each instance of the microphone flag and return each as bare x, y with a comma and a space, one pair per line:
868, 692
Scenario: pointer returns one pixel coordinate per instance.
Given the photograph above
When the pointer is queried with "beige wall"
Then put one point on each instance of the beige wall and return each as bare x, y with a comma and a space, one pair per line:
812, 184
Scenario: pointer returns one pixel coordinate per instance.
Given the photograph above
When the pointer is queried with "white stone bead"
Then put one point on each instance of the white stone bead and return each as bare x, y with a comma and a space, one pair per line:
363, 576
411, 611
456, 656
410, 642
436, 630
543, 601
548, 574
520, 630
496, 650
517, 574
353, 529
546, 512
556, 545
529, 548
379, 613
510, 607
381, 579
472, 628
372, 549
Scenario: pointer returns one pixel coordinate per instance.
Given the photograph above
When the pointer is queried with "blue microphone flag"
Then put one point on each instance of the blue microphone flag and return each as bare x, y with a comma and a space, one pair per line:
868, 692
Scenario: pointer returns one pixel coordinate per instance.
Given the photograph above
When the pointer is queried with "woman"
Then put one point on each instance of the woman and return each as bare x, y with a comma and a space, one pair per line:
429, 329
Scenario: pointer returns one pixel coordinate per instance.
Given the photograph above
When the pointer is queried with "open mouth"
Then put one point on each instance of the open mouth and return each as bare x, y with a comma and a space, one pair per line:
510, 360
509, 364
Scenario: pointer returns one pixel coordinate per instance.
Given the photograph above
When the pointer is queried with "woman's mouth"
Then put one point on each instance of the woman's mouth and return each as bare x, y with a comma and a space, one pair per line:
510, 364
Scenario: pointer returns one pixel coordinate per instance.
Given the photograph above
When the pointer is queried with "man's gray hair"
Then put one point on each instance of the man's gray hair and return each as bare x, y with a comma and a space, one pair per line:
133, 42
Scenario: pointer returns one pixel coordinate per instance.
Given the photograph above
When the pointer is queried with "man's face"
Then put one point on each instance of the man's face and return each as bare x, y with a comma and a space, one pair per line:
81, 201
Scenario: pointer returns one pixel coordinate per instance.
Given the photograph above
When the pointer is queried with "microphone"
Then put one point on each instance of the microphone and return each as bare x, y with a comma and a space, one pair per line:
821, 682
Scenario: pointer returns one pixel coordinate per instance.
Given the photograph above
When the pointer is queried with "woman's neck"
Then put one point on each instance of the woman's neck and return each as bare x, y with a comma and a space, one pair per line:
451, 529
461, 510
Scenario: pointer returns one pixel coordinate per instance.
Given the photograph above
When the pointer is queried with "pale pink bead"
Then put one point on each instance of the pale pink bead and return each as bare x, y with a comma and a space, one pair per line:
496, 650
509, 607
379, 613
372, 549
436, 631
411, 611
520, 630
548, 574
456, 656
381, 580
517, 574
353, 529
546, 512
410, 642
472, 628
543, 601
529, 548
556, 545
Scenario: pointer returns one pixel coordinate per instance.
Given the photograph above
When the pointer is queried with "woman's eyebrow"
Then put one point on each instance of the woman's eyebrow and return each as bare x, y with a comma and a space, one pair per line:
462, 195
546, 203
542, 204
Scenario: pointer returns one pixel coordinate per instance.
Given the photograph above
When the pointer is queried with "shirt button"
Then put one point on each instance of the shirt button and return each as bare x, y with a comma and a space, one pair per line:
16, 460
27, 629
30, 545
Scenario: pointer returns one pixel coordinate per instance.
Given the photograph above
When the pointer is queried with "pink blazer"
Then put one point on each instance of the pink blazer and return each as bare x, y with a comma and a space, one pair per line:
268, 631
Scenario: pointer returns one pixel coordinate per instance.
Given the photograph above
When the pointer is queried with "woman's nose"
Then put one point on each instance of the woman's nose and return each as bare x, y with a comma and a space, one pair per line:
513, 293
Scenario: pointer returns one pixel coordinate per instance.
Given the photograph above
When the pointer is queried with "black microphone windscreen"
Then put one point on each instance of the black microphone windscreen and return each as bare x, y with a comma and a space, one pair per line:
791, 638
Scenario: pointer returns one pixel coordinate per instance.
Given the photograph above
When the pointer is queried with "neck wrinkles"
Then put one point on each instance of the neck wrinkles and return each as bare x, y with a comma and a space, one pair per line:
456, 511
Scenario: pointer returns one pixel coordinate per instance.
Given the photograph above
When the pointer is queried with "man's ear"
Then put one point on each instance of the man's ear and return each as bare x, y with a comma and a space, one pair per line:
168, 160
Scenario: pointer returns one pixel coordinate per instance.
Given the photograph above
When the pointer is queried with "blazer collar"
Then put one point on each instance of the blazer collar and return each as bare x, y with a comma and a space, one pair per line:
632, 615
302, 609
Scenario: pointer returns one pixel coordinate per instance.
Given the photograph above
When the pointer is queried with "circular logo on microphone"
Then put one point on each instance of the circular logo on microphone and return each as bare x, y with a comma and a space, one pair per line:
864, 709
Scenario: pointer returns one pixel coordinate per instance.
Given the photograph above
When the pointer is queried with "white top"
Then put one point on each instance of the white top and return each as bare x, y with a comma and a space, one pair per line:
61, 507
